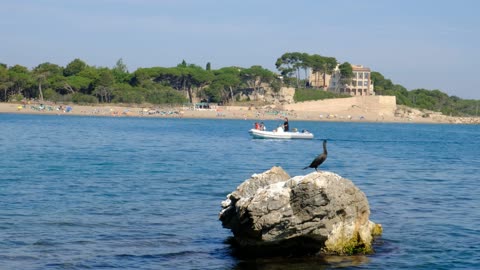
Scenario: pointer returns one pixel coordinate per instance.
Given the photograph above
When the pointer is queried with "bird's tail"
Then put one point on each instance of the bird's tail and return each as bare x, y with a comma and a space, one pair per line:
306, 167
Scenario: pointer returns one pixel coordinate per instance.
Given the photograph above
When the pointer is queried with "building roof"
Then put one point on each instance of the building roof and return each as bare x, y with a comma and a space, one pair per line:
360, 68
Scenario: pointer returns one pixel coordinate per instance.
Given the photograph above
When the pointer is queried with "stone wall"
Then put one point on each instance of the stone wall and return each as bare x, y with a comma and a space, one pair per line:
381, 105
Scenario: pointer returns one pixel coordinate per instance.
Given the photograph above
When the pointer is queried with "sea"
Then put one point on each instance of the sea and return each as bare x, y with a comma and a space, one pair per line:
86, 192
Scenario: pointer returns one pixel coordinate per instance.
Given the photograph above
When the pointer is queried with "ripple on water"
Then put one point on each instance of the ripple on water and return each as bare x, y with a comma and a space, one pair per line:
133, 193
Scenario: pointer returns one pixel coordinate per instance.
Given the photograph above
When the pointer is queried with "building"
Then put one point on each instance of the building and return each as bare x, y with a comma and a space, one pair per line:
360, 85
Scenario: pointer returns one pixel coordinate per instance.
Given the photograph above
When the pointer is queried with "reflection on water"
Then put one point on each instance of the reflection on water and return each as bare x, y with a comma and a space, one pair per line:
313, 262
248, 260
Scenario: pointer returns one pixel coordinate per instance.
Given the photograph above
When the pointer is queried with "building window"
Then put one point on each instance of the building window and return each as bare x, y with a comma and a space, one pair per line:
360, 75
365, 83
367, 75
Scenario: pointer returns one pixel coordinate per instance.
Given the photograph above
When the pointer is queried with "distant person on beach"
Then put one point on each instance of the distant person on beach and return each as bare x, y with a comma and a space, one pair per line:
285, 125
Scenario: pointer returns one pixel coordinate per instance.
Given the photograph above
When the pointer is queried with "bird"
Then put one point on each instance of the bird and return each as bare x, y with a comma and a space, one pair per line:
320, 158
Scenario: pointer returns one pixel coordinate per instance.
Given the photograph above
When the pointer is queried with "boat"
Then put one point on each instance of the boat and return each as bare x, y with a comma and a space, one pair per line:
280, 134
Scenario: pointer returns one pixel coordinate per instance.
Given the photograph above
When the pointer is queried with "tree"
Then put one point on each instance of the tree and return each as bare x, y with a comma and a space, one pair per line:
74, 67
91, 73
183, 77
255, 76
41, 74
346, 73
103, 85
380, 84
226, 79
76, 83
199, 78
120, 72
328, 67
208, 67
5, 82
125, 93
290, 63
20, 79
304, 63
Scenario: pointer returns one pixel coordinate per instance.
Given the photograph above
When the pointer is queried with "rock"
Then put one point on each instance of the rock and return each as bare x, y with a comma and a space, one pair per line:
319, 212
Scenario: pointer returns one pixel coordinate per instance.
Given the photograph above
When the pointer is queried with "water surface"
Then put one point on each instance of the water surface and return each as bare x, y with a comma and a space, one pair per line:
137, 193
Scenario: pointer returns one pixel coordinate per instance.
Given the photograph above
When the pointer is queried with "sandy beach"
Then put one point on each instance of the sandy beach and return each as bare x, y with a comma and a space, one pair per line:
259, 113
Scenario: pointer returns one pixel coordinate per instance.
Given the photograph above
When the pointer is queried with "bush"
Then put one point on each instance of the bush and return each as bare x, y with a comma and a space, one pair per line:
132, 97
165, 96
52, 95
80, 98
16, 98
315, 94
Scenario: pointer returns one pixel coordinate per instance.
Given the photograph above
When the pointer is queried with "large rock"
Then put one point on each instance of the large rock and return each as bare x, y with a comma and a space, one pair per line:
318, 212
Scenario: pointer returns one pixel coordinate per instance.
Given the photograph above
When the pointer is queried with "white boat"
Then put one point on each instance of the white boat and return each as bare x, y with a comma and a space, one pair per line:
280, 134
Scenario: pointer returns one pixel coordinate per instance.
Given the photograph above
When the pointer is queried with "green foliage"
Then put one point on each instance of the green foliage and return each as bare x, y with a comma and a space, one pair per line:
314, 94
91, 73
78, 83
290, 64
276, 85
80, 98
16, 98
120, 72
52, 95
125, 93
214, 93
3, 74
52, 69
105, 78
74, 67
346, 73
165, 96
255, 75
19, 69
21, 81
433, 100
222, 87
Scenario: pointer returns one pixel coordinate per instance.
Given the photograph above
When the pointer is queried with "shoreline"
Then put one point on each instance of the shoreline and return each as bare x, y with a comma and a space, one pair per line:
229, 112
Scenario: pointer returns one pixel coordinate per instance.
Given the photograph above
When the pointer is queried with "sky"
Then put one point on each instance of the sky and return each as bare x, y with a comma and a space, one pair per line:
430, 44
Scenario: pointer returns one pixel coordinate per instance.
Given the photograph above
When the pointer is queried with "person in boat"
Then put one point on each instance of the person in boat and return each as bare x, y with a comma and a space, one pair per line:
262, 126
285, 125
257, 126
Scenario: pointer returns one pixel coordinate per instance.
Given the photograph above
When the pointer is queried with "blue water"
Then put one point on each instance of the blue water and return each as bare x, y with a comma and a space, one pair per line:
137, 193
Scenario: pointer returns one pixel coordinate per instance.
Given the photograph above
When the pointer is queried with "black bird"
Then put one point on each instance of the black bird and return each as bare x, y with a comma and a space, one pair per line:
320, 159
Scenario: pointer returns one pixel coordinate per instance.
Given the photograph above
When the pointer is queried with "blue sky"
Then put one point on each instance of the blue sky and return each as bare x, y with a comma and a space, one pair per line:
418, 44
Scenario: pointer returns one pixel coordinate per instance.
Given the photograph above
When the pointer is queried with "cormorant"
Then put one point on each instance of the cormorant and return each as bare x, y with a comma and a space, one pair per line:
320, 159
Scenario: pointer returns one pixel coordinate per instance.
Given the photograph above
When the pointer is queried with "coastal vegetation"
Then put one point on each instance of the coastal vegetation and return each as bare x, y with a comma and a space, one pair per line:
81, 83
434, 100
306, 94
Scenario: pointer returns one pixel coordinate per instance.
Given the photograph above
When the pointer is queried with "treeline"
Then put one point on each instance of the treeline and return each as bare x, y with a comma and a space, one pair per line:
433, 100
79, 82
